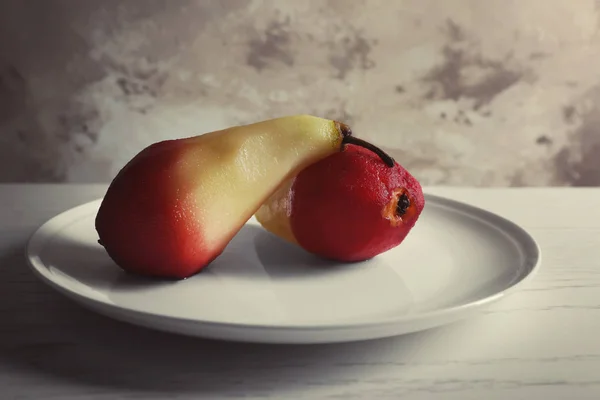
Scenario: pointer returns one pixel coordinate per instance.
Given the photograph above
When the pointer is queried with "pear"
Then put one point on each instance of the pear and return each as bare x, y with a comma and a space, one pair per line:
350, 206
176, 205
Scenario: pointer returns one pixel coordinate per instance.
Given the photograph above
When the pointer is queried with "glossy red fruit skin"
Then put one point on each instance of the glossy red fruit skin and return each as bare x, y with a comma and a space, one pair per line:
339, 205
145, 220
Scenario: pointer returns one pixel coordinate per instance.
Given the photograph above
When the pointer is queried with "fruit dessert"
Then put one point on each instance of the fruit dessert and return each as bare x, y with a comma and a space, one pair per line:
350, 206
174, 207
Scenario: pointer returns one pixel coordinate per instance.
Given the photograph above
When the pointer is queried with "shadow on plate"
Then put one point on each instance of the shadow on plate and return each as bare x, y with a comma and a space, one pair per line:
256, 253
90, 265
285, 260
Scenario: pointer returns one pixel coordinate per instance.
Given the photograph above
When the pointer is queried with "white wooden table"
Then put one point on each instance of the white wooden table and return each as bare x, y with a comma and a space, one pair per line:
540, 343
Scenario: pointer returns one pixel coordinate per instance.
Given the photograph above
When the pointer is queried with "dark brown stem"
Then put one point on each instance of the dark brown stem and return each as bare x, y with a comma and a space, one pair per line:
389, 161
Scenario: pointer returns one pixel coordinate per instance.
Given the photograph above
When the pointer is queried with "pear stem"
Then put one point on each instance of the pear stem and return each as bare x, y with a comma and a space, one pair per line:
344, 129
386, 158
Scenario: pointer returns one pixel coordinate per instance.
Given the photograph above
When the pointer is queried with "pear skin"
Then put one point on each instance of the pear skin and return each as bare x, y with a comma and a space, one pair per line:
177, 204
274, 214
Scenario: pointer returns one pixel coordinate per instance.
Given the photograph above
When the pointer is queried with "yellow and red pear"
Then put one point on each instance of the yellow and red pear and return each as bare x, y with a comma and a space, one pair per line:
177, 204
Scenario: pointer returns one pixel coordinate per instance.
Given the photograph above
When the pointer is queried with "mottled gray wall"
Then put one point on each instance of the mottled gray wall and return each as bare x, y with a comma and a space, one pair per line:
463, 92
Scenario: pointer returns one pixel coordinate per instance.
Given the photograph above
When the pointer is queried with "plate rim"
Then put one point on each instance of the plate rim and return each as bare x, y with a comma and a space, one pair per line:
531, 265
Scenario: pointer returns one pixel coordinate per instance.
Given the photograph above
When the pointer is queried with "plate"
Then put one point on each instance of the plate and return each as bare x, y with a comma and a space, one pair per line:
456, 260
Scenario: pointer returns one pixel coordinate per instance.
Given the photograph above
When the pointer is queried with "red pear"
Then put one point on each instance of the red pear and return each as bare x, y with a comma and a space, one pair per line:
350, 206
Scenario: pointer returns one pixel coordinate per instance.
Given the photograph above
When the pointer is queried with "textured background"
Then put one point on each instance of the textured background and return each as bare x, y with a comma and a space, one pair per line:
464, 92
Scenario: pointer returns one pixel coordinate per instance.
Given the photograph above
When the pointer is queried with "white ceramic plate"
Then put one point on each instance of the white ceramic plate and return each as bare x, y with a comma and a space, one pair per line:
456, 260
